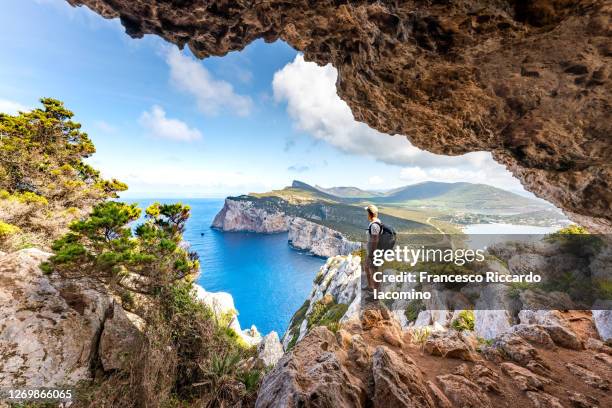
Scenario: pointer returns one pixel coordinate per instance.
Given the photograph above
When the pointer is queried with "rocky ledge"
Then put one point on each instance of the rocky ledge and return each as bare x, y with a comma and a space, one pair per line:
371, 362
243, 215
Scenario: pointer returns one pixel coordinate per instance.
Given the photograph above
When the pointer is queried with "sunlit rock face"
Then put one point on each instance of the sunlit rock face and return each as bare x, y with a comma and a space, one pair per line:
528, 81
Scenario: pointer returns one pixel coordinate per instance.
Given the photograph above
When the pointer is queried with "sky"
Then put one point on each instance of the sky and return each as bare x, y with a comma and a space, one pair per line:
170, 125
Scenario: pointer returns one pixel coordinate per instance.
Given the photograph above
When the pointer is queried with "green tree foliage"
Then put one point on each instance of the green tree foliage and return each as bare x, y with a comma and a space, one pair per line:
44, 181
104, 246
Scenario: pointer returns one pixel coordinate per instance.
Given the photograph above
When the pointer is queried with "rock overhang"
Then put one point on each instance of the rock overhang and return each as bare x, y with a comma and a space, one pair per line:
527, 81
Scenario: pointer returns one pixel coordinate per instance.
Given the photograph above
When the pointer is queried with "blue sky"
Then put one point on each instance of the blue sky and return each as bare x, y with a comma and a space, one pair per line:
173, 126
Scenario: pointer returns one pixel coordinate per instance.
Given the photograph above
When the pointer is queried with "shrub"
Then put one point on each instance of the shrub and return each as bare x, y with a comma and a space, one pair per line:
413, 309
7, 229
465, 321
326, 314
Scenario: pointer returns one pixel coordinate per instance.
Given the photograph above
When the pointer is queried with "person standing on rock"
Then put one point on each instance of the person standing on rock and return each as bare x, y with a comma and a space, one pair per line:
374, 231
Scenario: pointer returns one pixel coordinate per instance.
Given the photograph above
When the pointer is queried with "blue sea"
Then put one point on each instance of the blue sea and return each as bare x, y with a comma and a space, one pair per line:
268, 280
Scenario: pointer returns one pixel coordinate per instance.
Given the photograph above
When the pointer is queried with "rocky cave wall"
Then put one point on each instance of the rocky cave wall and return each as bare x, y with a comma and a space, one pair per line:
527, 80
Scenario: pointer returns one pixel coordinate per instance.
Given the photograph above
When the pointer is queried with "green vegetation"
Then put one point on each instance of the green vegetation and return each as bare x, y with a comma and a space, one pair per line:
419, 336
42, 174
464, 321
295, 323
413, 309
326, 312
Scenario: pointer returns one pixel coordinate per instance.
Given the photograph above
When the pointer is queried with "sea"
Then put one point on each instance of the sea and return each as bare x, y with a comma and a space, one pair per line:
267, 278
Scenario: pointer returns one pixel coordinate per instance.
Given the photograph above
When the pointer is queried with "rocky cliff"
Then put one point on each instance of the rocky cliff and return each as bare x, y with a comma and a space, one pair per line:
57, 332
527, 80
318, 239
244, 215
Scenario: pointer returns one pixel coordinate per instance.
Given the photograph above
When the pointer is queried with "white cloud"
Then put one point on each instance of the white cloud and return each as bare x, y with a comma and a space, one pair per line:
11, 107
312, 102
158, 125
212, 95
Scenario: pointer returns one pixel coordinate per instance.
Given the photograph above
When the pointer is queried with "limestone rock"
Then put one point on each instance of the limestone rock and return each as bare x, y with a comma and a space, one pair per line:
582, 401
489, 324
463, 392
533, 333
311, 375
318, 239
241, 215
603, 323
544, 400
516, 349
597, 346
49, 329
222, 306
524, 378
397, 381
588, 376
121, 336
450, 344
270, 350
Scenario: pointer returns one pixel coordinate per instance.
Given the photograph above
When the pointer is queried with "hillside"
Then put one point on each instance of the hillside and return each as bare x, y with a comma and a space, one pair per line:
428, 207
460, 196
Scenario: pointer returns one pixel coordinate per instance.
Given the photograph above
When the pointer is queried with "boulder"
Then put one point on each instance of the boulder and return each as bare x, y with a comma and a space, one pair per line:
121, 337
524, 378
450, 344
270, 350
582, 401
588, 376
603, 323
398, 381
463, 392
489, 324
533, 333
516, 349
312, 374
544, 400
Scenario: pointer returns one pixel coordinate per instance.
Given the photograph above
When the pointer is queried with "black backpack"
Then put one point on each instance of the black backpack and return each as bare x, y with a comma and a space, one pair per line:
387, 237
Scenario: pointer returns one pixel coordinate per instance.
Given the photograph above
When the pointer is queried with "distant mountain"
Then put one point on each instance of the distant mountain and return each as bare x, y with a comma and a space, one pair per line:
460, 196
348, 192
432, 195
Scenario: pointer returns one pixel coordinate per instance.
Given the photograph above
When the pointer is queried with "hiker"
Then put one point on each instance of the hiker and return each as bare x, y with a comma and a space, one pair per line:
380, 236
374, 231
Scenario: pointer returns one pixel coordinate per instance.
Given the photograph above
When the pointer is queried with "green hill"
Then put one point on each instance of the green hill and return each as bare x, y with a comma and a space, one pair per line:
460, 196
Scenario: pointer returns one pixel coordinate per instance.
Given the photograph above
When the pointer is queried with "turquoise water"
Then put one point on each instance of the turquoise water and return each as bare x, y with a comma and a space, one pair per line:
268, 280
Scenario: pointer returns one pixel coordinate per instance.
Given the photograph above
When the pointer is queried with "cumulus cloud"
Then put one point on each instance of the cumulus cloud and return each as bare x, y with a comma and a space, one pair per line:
11, 107
313, 104
162, 127
212, 95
